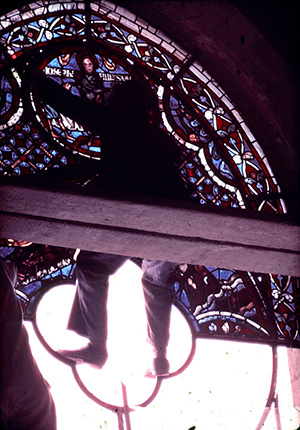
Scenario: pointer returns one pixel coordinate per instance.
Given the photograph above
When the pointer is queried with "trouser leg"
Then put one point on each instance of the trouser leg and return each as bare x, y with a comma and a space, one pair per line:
159, 297
89, 311
25, 400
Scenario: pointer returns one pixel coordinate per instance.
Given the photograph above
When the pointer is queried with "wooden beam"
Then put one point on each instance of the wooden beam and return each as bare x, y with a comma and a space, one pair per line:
143, 229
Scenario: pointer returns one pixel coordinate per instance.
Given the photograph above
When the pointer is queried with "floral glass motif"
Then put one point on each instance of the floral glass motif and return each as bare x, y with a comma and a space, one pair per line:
30, 29
222, 163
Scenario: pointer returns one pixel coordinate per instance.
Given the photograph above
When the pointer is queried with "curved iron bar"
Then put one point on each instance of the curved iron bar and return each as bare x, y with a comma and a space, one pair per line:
113, 408
153, 395
120, 410
159, 379
272, 398
72, 364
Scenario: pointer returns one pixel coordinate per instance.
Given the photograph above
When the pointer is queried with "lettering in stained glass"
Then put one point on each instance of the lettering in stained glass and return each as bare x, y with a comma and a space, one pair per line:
87, 75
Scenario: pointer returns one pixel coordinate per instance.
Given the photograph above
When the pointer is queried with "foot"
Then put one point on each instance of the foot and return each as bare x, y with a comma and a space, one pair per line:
90, 354
160, 367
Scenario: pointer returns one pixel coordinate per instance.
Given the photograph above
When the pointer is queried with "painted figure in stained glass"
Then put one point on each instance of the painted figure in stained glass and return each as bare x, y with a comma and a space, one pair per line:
222, 302
286, 308
88, 82
90, 76
68, 132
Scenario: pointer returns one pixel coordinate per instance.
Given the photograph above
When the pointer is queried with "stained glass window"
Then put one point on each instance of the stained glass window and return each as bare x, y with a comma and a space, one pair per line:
88, 51
223, 163
218, 302
88, 48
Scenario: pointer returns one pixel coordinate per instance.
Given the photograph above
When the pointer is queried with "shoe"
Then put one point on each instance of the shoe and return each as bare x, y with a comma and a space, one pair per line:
90, 354
160, 367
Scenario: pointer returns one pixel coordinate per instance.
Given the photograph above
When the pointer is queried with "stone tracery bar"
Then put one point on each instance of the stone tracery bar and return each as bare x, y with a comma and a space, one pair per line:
145, 229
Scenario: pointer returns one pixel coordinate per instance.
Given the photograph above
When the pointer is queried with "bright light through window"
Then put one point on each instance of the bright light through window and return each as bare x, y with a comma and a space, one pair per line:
226, 385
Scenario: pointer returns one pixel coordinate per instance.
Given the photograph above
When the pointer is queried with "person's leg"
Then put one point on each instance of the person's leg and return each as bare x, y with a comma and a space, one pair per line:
88, 315
159, 297
25, 400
